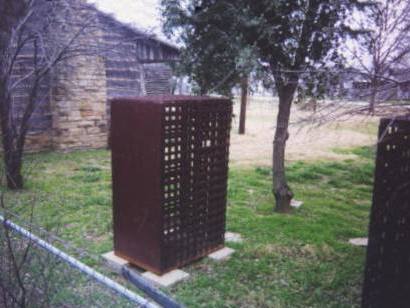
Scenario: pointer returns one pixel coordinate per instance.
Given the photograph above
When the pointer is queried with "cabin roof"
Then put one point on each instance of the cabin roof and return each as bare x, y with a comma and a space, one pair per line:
132, 29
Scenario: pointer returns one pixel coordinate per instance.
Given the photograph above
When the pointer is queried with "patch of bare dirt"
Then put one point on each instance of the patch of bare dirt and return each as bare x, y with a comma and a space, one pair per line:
306, 141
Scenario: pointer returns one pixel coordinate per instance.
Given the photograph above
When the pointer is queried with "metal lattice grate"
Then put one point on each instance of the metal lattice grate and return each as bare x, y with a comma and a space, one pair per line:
387, 276
188, 170
194, 179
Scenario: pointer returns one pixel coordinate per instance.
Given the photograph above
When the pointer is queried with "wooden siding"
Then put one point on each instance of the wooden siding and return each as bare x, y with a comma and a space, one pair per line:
157, 78
123, 72
41, 120
132, 60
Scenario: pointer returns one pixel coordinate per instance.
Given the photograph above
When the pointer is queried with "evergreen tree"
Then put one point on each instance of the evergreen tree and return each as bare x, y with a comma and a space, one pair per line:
291, 38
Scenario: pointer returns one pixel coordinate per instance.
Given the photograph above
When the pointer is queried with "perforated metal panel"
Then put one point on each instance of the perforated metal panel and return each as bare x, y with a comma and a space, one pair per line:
187, 173
196, 140
387, 275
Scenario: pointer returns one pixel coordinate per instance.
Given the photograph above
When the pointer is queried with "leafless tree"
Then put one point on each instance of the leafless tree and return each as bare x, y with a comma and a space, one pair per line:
35, 37
24, 277
31, 276
385, 51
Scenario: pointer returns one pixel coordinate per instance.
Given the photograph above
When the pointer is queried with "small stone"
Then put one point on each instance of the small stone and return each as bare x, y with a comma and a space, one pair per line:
221, 254
114, 262
233, 237
359, 241
296, 203
167, 279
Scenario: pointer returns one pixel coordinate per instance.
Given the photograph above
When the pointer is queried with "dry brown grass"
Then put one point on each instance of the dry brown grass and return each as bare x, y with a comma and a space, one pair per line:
306, 141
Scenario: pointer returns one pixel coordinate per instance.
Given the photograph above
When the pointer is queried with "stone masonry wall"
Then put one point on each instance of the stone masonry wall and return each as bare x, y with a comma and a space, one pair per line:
79, 106
79, 95
39, 141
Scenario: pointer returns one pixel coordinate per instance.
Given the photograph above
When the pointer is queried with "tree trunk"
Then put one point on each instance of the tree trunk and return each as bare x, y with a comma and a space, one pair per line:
12, 148
283, 193
13, 160
13, 169
244, 101
373, 95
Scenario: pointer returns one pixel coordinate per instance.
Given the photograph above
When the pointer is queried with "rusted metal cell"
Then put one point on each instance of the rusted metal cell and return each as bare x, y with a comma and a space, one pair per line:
170, 170
387, 274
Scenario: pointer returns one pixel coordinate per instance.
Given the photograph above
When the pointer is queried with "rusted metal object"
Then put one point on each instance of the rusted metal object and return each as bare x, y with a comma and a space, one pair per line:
170, 170
387, 275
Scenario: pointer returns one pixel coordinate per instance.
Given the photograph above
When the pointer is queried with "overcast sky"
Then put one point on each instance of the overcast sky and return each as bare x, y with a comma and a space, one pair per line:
143, 13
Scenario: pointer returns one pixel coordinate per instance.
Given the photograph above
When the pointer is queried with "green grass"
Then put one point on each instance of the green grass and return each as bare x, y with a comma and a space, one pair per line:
297, 260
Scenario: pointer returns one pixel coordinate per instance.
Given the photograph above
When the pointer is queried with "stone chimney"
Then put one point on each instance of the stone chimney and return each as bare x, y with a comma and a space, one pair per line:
79, 96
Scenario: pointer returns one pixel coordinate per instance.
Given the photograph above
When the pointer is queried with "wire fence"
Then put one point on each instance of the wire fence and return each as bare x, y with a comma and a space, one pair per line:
32, 276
